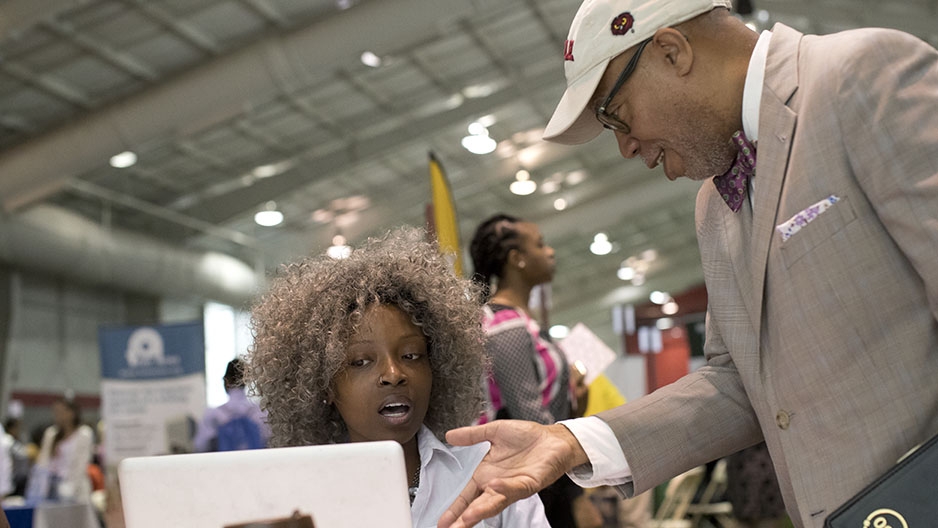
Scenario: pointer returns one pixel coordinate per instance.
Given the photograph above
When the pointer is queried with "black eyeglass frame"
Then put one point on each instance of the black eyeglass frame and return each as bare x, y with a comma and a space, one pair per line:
611, 121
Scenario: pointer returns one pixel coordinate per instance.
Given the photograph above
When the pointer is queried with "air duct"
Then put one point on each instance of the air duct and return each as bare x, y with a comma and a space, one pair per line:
50, 239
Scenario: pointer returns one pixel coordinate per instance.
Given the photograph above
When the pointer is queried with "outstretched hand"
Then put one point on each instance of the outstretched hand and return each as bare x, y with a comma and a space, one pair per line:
524, 458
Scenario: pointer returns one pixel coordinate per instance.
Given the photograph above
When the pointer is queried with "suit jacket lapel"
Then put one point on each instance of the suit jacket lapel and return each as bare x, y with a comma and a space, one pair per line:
776, 127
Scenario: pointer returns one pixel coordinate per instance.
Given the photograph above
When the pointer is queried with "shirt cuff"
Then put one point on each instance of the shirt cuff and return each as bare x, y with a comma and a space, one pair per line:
607, 466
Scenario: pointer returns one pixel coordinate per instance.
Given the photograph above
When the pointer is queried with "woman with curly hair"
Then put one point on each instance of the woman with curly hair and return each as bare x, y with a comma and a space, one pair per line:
383, 345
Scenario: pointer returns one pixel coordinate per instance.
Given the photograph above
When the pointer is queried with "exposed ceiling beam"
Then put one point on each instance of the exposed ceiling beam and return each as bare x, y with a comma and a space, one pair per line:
216, 91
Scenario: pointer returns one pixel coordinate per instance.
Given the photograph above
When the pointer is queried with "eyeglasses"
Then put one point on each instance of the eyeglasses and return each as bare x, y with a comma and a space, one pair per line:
611, 121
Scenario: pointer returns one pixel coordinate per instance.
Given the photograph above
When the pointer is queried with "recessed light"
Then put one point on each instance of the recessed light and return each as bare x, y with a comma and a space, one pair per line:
123, 160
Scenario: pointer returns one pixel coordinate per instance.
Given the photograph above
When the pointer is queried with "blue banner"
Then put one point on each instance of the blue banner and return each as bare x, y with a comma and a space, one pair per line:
152, 352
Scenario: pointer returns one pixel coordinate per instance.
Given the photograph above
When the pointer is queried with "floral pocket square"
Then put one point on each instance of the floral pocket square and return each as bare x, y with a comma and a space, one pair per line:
795, 223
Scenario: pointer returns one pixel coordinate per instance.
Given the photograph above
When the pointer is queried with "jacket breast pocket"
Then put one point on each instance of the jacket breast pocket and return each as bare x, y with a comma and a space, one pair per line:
818, 231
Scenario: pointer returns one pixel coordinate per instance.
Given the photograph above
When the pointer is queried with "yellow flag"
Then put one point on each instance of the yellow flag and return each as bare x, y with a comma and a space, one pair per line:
444, 222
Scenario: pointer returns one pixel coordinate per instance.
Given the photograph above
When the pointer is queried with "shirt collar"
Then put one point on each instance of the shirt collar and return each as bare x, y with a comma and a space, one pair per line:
752, 90
431, 448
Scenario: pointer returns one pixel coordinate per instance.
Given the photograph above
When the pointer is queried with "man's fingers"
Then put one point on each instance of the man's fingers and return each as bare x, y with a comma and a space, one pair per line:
450, 518
465, 436
488, 504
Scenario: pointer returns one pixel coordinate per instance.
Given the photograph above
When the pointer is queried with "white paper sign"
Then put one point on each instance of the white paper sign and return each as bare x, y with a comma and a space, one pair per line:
583, 345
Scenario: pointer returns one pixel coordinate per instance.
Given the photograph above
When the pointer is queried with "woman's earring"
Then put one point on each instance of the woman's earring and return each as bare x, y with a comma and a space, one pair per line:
521, 264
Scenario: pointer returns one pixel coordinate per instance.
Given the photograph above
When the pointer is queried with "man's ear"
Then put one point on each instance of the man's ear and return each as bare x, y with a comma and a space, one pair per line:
676, 49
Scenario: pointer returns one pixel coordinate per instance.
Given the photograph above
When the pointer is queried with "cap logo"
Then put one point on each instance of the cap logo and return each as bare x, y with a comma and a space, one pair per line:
568, 50
622, 23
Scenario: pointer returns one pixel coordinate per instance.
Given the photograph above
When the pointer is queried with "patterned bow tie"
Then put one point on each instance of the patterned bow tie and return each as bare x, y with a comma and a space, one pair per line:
732, 185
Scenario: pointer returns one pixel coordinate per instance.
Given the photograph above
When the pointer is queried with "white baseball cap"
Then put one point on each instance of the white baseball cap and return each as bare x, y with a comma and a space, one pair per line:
600, 31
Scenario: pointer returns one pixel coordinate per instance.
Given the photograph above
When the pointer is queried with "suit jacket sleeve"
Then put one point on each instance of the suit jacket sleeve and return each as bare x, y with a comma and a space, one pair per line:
698, 418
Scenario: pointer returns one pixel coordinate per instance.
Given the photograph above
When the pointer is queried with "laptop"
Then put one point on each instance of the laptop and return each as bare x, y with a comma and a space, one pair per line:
360, 484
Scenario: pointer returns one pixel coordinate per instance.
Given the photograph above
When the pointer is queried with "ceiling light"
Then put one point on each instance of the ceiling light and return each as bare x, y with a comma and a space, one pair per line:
478, 144
522, 187
478, 129
649, 255
454, 101
339, 249
271, 169
626, 273
487, 120
664, 323
601, 244
370, 59
669, 308
576, 177
560, 204
344, 4
550, 186
123, 160
322, 216
270, 216
659, 297
559, 331
479, 90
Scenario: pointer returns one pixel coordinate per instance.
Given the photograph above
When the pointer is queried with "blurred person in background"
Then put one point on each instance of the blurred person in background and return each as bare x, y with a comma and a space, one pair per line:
61, 469
530, 378
237, 424
19, 455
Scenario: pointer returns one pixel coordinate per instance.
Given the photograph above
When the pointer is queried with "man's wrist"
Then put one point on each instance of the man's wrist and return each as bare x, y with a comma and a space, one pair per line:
576, 455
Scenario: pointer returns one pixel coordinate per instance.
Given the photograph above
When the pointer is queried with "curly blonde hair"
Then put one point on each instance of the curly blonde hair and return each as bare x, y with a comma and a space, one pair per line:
303, 322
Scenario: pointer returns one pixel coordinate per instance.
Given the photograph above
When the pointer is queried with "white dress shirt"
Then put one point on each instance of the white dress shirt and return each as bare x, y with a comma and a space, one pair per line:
445, 471
608, 466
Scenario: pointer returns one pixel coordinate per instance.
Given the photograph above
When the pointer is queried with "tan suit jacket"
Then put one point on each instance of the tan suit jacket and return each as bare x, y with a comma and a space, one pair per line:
826, 344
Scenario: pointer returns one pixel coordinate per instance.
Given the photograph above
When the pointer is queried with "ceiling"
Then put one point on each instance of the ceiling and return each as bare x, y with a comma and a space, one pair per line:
207, 91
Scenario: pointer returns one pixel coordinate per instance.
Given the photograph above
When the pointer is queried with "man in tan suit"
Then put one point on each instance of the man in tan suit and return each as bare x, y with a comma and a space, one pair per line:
821, 267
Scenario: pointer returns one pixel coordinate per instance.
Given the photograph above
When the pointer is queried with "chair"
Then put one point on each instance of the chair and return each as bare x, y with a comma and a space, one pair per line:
721, 511
677, 497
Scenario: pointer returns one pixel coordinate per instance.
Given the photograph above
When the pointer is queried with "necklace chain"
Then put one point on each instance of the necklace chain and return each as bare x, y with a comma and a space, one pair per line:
412, 490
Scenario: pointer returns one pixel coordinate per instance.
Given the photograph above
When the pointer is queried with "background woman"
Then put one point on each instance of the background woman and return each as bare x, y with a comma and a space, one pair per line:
62, 464
530, 378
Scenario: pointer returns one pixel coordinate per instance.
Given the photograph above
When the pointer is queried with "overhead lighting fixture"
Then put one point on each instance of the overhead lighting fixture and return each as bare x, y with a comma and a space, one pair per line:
478, 140
523, 184
669, 308
659, 297
339, 249
626, 273
550, 186
270, 216
601, 244
560, 204
344, 4
370, 59
123, 160
559, 331
576, 177
649, 255
272, 169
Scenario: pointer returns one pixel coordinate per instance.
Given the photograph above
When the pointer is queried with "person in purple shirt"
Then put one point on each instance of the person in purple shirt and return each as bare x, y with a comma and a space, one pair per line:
238, 424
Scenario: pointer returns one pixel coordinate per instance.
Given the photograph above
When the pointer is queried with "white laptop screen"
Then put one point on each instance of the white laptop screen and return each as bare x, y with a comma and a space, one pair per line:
346, 485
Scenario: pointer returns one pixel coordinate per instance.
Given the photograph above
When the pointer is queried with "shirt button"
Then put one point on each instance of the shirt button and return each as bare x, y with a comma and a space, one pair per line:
783, 419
